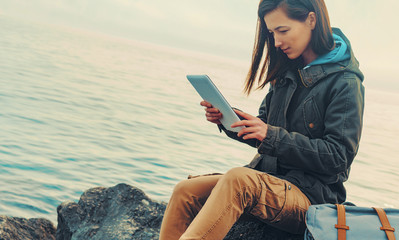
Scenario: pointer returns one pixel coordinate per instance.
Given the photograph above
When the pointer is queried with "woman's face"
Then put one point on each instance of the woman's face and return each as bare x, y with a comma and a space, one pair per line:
292, 36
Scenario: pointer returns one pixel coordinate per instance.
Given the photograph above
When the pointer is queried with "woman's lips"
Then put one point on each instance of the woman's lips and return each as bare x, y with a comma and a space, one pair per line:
285, 50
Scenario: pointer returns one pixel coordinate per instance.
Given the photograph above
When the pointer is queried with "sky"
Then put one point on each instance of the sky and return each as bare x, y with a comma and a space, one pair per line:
219, 27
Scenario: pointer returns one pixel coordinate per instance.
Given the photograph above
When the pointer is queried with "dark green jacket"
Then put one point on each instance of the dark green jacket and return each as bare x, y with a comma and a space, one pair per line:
313, 144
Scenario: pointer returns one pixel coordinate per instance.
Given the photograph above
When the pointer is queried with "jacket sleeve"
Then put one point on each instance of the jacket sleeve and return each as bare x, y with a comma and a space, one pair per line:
335, 151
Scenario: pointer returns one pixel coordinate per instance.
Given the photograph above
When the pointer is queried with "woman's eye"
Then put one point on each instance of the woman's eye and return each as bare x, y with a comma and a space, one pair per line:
283, 31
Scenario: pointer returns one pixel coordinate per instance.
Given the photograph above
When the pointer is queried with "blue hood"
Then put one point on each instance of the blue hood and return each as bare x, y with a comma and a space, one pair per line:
340, 59
339, 53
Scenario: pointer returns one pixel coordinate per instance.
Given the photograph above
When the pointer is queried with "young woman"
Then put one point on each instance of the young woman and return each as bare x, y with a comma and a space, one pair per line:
307, 132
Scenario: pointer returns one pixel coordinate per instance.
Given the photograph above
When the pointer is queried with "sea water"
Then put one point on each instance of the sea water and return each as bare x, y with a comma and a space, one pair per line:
80, 110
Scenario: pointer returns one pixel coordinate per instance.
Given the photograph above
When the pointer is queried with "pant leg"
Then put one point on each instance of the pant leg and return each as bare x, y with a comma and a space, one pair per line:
235, 191
186, 201
243, 189
281, 204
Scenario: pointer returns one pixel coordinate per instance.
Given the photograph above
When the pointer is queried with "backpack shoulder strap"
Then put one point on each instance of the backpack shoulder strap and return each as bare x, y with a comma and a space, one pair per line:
341, 224
386, 226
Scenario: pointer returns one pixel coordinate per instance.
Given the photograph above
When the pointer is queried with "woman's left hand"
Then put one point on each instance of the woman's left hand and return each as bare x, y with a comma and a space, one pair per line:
254, 127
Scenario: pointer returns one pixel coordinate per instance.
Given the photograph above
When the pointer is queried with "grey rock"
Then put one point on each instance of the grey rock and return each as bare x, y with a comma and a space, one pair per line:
120, 212
12, 228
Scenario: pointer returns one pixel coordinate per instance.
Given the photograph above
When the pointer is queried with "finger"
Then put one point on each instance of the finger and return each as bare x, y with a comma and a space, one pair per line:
237, 124
242, 123
244, 115
215, 115
212, 110
215, 121
247, 130
206, 104
250, 136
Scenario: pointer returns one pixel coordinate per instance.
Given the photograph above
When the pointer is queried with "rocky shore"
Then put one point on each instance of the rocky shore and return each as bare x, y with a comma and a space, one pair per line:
121, 212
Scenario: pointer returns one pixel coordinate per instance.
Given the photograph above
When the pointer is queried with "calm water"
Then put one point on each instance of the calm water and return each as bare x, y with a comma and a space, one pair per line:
81, 110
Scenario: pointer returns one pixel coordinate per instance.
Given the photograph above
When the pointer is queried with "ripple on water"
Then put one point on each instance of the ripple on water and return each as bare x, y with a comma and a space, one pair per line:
32, 120
26, 206
63, 160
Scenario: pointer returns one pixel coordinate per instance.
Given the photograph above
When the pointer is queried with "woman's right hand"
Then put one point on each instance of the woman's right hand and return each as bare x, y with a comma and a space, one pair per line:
212, 114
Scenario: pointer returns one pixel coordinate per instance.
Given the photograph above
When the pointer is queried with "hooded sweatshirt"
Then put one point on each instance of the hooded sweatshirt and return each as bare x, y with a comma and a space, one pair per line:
341, 52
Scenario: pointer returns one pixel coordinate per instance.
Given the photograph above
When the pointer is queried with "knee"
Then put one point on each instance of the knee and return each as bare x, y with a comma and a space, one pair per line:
238, 174
181, 188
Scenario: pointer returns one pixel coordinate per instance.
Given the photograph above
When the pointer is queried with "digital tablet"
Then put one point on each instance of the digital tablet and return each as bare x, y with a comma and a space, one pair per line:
209, 92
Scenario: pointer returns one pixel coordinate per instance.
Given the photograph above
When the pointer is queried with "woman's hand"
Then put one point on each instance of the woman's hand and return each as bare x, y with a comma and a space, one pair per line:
212, 114
254, 127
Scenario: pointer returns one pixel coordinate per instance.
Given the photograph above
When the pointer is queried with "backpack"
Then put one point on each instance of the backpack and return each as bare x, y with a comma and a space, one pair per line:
328, 221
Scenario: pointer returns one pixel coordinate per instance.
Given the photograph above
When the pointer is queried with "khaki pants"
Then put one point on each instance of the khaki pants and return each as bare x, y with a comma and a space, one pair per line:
206, 207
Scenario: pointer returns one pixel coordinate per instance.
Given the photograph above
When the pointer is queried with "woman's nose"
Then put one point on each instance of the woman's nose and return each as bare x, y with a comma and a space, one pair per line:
277, 42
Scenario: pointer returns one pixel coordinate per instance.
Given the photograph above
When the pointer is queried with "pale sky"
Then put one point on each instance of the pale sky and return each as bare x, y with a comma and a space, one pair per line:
220, 27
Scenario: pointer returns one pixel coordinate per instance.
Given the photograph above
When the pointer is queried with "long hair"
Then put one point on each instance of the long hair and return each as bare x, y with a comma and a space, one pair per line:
268, 62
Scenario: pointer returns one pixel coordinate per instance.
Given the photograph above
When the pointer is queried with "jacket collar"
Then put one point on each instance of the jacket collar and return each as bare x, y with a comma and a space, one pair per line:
309, 76
312, 75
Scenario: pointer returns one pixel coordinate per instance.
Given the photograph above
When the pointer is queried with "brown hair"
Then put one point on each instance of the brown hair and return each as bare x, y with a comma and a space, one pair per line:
269, 65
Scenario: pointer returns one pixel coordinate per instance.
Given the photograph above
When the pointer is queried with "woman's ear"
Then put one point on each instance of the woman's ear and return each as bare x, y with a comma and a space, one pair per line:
311, 20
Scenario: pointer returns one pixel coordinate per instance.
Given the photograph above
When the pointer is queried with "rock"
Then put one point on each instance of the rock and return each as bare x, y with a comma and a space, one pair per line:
249, 228
12, 228
124, 212
120, 212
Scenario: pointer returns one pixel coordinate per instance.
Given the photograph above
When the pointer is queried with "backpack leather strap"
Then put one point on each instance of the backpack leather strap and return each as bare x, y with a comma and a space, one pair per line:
341, 226
385, 223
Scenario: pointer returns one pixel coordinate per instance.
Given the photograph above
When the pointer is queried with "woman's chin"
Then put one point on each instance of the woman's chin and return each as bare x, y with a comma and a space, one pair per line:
292, 56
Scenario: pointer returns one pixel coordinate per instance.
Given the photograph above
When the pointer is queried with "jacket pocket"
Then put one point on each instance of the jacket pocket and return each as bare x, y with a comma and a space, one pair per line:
312, 119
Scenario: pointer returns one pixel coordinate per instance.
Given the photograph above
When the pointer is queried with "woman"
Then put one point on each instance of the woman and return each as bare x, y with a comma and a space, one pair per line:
307, 132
